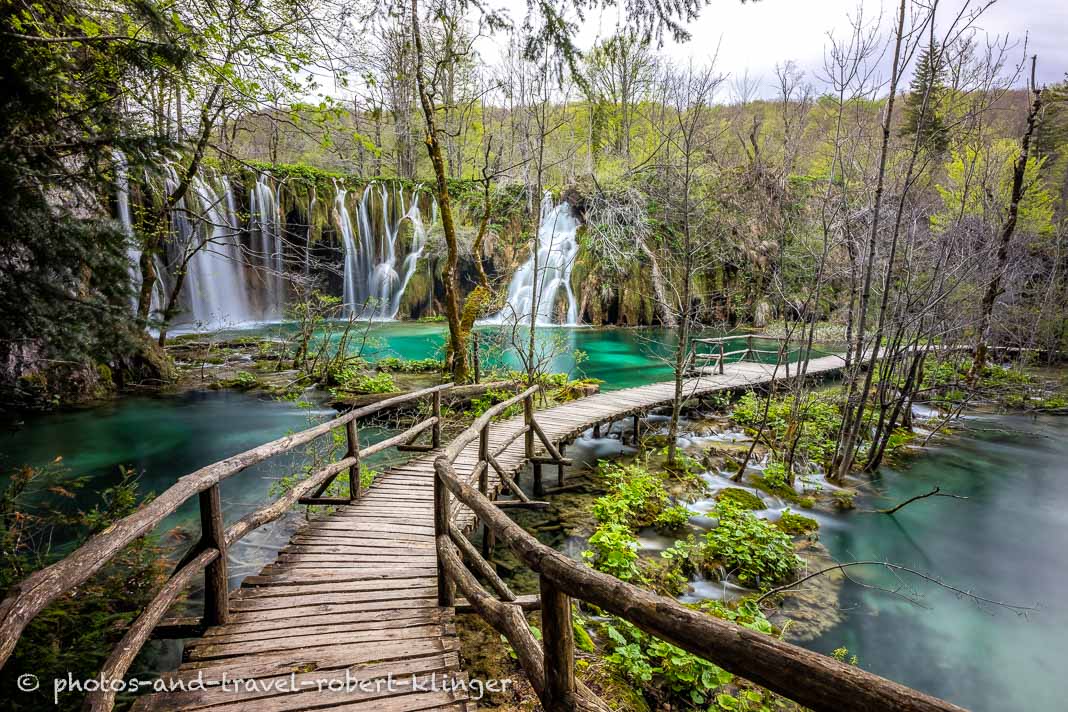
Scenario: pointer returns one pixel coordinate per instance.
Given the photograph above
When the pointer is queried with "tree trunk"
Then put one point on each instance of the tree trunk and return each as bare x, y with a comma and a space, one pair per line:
457, 356
993, 289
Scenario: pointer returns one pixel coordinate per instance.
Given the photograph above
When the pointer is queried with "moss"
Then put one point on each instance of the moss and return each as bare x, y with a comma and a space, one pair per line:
796, 524
806, 502
740, 497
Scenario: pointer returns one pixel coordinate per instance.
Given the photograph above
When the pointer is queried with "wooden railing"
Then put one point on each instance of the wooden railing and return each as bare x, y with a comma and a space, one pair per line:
27, 598
811, 679
717, 350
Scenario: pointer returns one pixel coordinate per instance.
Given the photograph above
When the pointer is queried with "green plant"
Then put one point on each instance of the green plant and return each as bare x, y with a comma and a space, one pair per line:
635, 497
740, 498
843, 499
775, 475
752, 547
796, 524
672, 519
614, 550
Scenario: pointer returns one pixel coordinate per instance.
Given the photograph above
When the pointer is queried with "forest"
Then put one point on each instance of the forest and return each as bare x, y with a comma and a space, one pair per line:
825, 313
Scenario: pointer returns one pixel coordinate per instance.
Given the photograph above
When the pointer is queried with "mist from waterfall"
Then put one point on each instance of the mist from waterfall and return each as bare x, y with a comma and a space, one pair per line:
555, 255
375, 279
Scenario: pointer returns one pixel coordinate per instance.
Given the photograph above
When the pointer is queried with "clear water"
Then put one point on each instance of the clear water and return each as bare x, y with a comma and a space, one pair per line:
1006, 542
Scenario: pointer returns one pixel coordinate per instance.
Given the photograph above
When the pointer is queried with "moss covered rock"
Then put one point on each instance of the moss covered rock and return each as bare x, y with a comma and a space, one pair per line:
796, 524
739, 497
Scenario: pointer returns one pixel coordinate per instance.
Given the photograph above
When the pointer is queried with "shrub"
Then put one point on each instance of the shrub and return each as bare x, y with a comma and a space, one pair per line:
672, 519
614, 550
635, 496
755, 549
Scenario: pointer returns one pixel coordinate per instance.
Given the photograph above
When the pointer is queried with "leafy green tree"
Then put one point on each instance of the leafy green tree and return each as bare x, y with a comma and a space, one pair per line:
65, 69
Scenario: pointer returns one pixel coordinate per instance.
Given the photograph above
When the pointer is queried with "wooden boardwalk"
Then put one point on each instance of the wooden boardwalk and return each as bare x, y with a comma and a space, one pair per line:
347, 616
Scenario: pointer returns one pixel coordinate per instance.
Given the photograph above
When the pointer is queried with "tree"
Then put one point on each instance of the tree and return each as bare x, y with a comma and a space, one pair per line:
925, 100
65, 73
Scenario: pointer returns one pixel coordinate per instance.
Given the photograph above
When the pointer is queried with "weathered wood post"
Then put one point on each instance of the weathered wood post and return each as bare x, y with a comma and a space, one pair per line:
539, 490
475, 361
719, 361
560, 467
558, 643
597, 431
483, 488
637, 428
355, 485
213, 536
441, 529
435, 434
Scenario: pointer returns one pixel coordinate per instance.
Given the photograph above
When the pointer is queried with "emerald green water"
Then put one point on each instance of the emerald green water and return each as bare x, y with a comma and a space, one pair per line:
1006, 542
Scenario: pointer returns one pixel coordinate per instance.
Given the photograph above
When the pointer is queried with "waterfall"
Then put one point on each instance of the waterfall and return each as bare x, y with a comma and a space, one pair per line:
266, 228
374, 282
216, 284
133, 249
556, 251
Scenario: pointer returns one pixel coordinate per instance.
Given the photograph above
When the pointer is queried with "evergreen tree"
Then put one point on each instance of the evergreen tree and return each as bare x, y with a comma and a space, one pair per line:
924, 104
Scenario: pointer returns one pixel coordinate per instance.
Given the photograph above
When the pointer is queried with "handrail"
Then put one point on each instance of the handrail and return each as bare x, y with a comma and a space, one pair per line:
31, 595
811, 679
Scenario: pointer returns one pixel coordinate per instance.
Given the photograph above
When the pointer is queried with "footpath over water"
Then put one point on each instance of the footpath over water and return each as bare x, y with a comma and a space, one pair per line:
351, 603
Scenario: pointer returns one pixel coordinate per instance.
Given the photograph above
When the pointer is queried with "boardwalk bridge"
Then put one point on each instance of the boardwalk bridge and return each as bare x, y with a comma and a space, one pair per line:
357, 611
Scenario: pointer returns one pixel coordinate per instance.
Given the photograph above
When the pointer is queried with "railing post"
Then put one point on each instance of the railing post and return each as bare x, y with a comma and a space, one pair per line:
722, 351
528, 437
475, 361
213, 536
560, 467
483, 488
558, 643
435, 434
355, 485
441, 529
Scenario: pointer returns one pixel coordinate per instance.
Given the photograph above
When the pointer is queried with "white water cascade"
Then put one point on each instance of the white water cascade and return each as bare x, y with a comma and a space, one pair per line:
555, 256
206, 231
266, 229
375, 277
133, 249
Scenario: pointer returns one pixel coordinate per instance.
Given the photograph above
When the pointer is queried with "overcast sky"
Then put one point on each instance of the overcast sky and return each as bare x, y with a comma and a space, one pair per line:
756, 36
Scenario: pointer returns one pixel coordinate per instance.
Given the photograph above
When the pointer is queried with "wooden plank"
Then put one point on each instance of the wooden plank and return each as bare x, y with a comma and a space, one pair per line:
285, 626
325, 629
333, 587
196, 699
331, 608
324, 657
218, 649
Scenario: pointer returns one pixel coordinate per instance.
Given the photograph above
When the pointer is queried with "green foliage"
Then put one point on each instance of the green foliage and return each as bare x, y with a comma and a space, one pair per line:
753, 548
796, 524
814, 423
635, 498
775, 475
614, 550
351, 380
740, 498
672, 519
74, 634
399, 365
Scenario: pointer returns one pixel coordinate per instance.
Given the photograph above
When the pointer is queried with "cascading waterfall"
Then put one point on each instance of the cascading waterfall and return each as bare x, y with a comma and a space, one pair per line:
133, 250
374, 282
206, 232
555, 256
266, 228
234, 271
